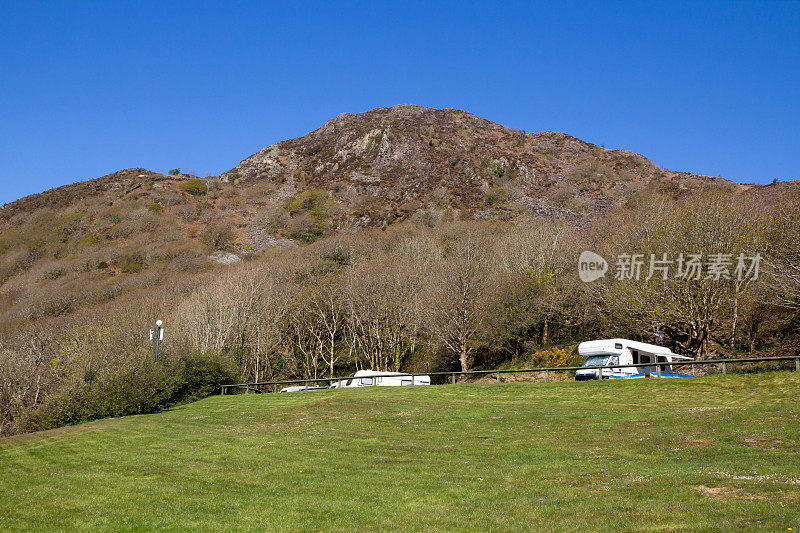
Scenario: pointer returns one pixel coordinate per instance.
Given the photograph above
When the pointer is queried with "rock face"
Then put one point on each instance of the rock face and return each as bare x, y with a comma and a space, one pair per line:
410, 157
225, 258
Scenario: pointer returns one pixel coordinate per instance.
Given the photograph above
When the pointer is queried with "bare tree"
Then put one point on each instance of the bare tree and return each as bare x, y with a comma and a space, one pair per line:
783, 257
329, 311
456, 297
23, 377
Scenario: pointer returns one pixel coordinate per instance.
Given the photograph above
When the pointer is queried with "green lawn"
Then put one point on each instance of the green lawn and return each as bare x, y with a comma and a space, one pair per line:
713, 453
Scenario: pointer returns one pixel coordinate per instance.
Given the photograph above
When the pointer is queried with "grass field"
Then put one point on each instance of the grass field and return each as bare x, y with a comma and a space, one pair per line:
713, 453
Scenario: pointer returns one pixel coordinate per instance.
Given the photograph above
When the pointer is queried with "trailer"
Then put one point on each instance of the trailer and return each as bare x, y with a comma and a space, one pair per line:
648, 360
370, 378
300, 388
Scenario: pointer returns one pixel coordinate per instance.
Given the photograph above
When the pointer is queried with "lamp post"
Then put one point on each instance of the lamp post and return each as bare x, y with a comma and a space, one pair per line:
157, 335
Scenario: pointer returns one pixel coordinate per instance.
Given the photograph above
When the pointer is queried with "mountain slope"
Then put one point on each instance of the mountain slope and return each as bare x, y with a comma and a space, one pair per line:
409, 157
89, 242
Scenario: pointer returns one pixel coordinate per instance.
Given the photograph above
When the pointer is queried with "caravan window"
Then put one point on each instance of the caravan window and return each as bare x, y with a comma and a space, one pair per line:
366, 381
635, 357
596, 360
405, 382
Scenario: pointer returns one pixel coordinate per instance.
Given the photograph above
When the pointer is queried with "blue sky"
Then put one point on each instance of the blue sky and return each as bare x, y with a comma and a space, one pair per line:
90, 88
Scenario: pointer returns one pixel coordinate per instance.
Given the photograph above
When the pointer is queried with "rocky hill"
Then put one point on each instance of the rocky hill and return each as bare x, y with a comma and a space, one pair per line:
389, 163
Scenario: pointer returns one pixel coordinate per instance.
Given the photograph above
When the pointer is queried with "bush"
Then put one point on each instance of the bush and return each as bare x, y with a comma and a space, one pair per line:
52, 307
315, 202
217, 237
131, 263
132, 390
305, 228
54, 274
496, 195
155, 208
174, 172
200, 376
556, 357
195, 187
138, 388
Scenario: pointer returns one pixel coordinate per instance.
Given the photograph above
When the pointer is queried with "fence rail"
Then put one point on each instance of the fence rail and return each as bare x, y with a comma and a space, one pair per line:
256, 386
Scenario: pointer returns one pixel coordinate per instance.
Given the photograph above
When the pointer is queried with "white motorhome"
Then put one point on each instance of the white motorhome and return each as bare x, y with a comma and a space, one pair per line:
626, 352
370, 378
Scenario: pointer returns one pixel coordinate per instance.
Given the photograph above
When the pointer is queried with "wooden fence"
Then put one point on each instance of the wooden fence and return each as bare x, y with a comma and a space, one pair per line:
722, 364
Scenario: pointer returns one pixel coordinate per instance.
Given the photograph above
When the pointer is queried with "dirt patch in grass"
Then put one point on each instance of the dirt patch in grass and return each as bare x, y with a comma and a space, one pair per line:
726, 493
702, 443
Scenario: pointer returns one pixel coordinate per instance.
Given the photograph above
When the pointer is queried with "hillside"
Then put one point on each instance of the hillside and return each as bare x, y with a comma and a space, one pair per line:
77, 245
450, 458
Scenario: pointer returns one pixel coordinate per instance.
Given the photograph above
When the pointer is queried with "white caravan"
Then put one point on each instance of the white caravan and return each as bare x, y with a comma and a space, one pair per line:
299, 388
625, 352
370, 378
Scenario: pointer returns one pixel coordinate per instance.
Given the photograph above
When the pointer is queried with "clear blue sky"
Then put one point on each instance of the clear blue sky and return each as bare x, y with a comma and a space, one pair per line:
90, 88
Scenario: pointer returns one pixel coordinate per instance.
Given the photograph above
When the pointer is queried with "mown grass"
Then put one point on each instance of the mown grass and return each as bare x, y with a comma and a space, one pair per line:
713, 453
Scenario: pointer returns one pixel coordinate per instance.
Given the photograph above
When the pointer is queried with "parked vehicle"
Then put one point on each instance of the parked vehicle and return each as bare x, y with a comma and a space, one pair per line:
298, 388
646, 357
370, 378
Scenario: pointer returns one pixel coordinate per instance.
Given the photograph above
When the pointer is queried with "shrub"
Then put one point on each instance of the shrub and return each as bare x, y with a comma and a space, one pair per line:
137, 388
305, 228
54, 274
496, 195
312, 236
200, 376
52, 307
131, 263
498, 169
315, 202
556, 357
217, 237
174, 172
134, 389
195, 187
155, 208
